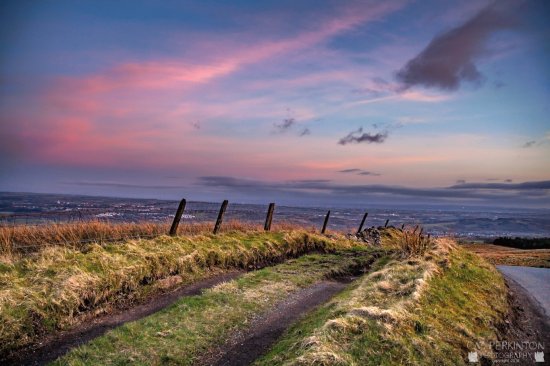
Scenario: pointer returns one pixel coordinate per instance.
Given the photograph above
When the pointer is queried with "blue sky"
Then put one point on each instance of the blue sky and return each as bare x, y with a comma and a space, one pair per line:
309, 102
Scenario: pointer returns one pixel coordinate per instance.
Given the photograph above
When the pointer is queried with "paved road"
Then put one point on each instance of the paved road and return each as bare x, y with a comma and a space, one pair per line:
535, 280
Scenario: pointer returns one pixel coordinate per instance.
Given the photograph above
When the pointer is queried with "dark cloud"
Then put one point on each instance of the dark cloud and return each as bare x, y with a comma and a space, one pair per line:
196, 125
370, 173
460, 181
529, 144
285, 124
352, 170
359, 136
449, 59
544, 184
321, 188
498, 180
306, 131
359, 172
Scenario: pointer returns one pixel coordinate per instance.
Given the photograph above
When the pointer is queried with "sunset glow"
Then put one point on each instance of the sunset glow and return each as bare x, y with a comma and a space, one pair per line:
301, 102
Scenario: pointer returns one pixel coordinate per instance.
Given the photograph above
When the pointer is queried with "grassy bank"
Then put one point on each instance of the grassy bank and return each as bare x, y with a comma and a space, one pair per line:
59, 286
427, 310
17, 241
496, 254
188, 329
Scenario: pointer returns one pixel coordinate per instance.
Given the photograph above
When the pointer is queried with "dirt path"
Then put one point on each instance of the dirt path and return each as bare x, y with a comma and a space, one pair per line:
245, 347
57, 345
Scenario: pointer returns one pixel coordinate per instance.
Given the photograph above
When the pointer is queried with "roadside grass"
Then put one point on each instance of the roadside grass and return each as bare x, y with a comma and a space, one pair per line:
187, 330
60, 286
427, 310
497, 254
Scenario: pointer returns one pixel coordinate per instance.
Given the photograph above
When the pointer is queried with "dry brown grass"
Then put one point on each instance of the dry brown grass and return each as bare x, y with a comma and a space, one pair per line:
496, 254
409, 243
15, 240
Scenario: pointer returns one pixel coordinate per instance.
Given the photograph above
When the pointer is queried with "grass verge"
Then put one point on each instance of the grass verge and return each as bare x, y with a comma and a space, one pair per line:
183, 332
60, 286
427, 310
497, 254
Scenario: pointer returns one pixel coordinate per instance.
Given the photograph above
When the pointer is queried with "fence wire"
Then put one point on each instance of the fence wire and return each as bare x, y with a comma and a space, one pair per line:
149, 221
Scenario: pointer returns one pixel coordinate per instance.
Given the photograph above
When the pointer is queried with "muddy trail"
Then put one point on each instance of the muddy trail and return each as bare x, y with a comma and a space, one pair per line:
243, 348
264, 331
57, 345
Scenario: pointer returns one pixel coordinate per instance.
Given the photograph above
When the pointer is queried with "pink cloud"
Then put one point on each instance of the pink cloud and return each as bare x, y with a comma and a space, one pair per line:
141, 111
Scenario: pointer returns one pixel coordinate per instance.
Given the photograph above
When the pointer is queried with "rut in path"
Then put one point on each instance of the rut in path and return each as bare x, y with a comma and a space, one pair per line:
245, 347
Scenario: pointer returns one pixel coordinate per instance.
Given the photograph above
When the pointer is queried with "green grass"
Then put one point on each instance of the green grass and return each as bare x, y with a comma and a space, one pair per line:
425, 311
424, 301
185, 331
60, 286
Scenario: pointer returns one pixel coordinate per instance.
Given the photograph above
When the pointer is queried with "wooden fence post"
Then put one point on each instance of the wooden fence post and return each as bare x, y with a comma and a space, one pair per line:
415, 228
402, 227
177, 218
386, 224
269, 217
220, 216
421, 231
362, 222
325, 223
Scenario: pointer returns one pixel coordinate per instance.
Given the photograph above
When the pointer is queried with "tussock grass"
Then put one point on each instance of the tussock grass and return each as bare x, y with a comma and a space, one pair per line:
426, 310
496, 254
185, 332
52, 289
22, 239
408, 242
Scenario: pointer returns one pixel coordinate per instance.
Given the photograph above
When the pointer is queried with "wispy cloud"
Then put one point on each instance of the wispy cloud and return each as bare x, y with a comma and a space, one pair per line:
122, 185
352, 170
306, 131
359, 172
373, 174
449, 59
359, 136
529, 144
285, 124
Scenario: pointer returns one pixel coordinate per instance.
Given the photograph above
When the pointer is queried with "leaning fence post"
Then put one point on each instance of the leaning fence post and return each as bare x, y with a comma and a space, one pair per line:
325, 223
177, 218
269, 216
402, 227
362, 222
421, 231
220, 216
386, 224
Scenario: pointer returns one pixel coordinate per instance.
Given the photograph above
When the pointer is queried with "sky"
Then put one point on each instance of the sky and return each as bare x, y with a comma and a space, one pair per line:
298, 102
